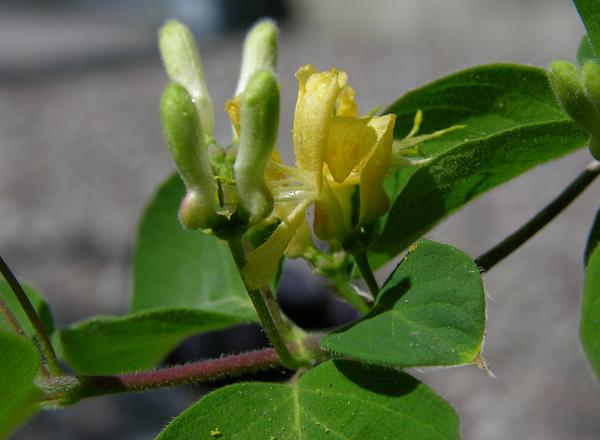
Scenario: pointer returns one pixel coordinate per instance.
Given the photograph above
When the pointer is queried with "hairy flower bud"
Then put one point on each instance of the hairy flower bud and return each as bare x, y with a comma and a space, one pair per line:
259, 119
185, 139
591, 83
566, 82
260, 52
182, 62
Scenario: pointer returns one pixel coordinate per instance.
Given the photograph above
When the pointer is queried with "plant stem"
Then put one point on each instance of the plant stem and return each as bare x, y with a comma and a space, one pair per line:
365, 269
67, 390
347, 291
267, 310
12, 321
492, 257
45, 346
194, 372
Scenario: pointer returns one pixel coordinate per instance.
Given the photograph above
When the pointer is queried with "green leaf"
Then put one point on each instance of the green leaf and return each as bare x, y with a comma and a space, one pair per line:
585, 52
111, 345
338, 399
19, 364
590, 312
589, 11
40, 306
513, 123
174, 267
430, 312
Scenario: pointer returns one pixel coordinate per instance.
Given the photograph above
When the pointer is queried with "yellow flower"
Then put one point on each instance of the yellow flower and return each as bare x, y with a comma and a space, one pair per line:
341, 161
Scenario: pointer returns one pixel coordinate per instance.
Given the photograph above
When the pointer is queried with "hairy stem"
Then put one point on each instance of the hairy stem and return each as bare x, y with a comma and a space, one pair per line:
541, 219
194, 372
365, 269
277, 329
48, 356
67, 390
346, 290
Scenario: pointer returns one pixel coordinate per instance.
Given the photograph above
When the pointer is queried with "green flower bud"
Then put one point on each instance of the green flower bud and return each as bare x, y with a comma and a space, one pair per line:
182, 62
260, 52
566, 83
591, 83
259, 119
184, 137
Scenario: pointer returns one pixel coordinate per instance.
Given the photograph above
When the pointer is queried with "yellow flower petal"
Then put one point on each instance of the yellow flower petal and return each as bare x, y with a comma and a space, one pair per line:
232, 107
346, 105
332, 218
263, 262
373, 199
317, 96
349, 140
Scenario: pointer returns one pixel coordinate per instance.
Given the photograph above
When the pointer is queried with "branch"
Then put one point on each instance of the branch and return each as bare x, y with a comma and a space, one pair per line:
194, 372
45, 346
541, 219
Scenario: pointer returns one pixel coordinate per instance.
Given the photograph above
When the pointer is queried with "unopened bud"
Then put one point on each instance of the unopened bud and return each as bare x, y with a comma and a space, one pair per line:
259, 120
182, 62
565, 81
260, 52
185, 139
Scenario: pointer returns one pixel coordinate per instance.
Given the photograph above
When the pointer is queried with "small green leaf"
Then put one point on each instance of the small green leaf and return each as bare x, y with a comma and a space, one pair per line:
19, 364
430, 312
110, 345
590, 312
173, 267
40, 306
589, 11
513, 123
338, 399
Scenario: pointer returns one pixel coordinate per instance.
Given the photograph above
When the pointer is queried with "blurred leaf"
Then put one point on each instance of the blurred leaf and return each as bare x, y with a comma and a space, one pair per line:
585, 51
19, 364
174, 267
590, 313
40, 306
430, 312
589, 11
337, 399
513, 123
111, 345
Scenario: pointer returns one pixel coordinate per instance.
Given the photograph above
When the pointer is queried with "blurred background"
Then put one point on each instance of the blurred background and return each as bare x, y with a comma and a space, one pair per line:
81, 152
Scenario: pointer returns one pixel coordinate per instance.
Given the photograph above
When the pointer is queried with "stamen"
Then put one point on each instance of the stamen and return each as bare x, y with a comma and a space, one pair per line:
416, 124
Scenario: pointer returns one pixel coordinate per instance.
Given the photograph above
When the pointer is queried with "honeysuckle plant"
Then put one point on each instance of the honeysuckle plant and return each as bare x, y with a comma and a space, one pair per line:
362, 190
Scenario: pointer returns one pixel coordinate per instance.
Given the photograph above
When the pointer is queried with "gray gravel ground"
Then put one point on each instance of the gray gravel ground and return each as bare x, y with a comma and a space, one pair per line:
81, 152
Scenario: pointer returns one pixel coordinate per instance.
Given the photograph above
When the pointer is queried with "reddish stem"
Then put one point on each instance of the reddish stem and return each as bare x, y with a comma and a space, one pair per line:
201, 371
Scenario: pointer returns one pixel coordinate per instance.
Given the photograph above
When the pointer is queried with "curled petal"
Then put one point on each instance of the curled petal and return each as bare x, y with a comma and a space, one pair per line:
373, 199
346, 105
317, 96
349, 141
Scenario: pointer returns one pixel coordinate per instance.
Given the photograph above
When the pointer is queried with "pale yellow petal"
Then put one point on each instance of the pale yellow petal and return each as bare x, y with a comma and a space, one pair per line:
317, 95
346, 105
373, 199
300, 243
262, 263
349, 140
332, 218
